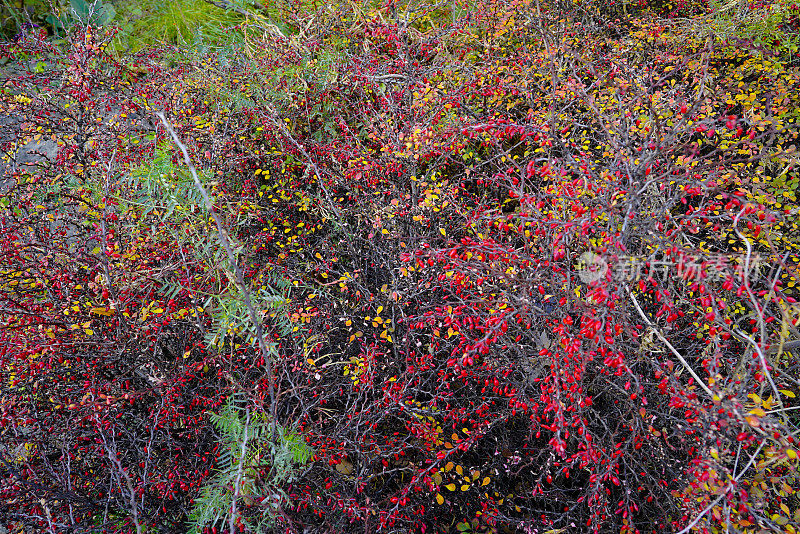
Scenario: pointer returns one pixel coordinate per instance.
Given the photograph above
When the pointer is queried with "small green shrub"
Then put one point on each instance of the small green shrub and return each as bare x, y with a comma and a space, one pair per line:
176, 22
252, 466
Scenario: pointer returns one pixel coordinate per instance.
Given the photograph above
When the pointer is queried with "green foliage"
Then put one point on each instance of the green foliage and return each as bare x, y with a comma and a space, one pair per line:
61, 16
81, 13
169, 193
13, 19
232, 326
160, 185
175, 22
765, 27
251, 468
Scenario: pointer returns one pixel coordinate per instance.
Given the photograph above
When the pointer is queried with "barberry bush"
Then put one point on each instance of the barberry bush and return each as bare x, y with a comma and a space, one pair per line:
405, 267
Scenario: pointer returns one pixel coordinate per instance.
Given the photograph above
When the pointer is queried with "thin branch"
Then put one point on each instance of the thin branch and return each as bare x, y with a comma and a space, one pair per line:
239, 471
728, 488
238, 275
788, 345
670, 347
114, 459
763, 360
759, 348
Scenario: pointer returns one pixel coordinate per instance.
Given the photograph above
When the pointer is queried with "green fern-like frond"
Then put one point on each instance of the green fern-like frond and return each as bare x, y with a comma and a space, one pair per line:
251, 456
161, 186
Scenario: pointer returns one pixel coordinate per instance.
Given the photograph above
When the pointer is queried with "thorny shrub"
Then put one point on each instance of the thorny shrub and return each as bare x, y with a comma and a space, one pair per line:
519, 273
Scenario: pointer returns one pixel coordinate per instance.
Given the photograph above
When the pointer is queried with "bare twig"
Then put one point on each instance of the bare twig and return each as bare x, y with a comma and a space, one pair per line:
238, 276
758, 347
731, 485
239, 471
670, 347
113, 457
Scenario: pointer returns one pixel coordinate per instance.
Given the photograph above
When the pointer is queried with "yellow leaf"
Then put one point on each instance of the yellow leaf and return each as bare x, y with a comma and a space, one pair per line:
465, 487
451, 487
102, 311
485, 481
788, 393
448, 466
758, 412
441, 231
459, 470
791, 453
779, 519
439, 499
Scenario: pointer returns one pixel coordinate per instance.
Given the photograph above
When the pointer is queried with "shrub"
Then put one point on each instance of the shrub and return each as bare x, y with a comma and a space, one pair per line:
496, 272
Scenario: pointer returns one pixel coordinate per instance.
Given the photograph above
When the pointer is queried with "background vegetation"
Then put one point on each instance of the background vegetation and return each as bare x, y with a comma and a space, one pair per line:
469, 266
